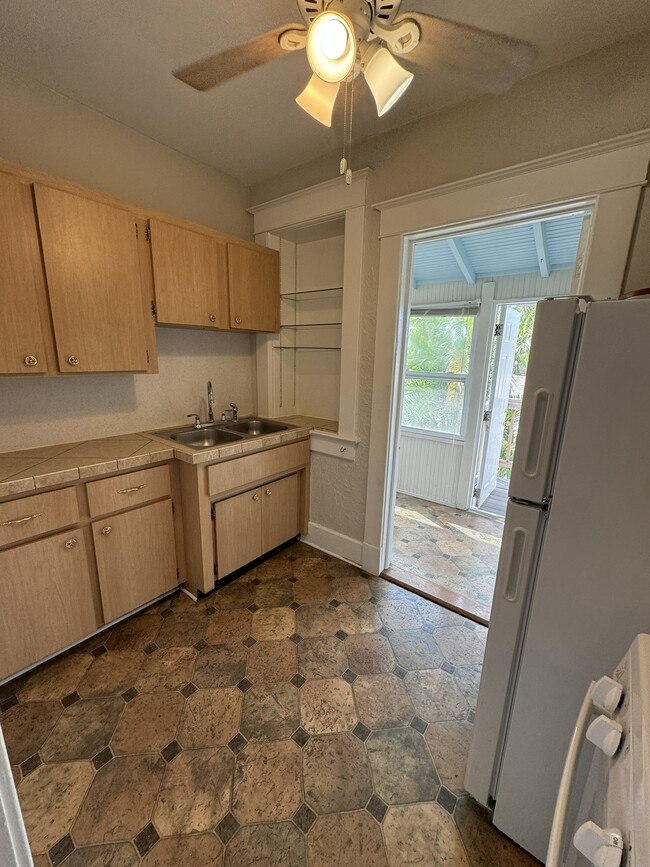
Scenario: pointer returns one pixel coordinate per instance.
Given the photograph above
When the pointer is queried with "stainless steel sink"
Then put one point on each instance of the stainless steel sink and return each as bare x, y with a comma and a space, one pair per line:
209, 436
256, 427
200, 438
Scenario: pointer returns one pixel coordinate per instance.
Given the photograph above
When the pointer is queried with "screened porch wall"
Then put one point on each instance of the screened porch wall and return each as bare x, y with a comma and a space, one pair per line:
433, 467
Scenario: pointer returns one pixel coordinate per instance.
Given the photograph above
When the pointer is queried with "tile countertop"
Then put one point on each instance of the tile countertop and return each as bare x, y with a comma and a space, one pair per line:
47, 466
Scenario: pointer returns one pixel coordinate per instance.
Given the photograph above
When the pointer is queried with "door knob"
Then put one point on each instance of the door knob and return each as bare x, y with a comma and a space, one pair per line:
73, 360
31, 360
106, 530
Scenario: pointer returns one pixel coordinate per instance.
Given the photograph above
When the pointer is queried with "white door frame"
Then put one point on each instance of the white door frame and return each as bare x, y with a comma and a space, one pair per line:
608, 177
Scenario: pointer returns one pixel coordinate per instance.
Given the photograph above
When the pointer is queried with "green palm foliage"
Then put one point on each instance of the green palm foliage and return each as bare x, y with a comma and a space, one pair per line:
437, 344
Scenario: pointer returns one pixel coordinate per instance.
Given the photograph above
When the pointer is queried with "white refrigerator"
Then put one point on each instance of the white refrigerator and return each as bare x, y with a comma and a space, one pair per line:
573, 581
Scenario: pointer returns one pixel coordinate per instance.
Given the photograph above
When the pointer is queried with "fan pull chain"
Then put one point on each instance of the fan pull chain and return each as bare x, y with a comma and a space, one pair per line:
344, 163
348, 111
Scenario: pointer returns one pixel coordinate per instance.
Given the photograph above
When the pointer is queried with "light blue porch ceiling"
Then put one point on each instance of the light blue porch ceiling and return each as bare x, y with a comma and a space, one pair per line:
542, 246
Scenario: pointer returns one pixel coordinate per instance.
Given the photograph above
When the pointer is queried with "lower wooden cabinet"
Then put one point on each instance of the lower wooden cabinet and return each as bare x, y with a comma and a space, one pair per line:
136, 557
250, 524
280, 512
46, 600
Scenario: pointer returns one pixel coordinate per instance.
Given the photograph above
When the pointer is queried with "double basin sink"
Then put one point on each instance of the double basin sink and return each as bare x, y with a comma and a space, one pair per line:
214, 434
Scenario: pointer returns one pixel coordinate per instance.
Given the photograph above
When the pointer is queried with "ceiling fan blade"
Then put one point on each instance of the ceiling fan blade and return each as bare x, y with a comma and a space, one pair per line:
214, 70
487, 60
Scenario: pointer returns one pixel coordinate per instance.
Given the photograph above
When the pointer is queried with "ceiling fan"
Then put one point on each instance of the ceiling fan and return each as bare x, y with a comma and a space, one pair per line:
345, 38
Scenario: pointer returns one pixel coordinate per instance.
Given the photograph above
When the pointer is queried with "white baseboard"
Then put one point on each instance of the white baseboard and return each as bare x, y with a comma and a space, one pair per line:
335, 543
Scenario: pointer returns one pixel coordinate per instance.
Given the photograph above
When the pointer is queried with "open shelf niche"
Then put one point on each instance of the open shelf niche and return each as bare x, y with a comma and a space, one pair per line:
319, 232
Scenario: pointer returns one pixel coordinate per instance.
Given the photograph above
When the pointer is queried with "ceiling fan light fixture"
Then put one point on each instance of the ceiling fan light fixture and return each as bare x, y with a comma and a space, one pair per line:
385, 77
318, 99
331, 46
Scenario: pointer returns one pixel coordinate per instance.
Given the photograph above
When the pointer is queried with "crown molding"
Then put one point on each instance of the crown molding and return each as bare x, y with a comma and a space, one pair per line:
603, 147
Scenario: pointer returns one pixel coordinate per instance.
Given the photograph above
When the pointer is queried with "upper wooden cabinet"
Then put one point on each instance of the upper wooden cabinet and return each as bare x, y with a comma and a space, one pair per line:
254, 288
92, 264
190, 272
24, 328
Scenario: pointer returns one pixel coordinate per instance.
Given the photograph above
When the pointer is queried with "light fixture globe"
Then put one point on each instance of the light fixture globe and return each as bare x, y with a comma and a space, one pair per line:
331, 46
318, 99
385, 77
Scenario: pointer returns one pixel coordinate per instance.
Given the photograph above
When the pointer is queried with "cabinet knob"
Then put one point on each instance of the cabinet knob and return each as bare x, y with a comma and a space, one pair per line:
213, 318
31, 360
71, 543
73, 360
238, 320
106, 530
268, 492
256, 496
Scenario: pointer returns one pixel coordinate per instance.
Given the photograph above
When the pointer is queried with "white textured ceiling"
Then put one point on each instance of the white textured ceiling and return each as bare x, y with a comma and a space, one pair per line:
116, 56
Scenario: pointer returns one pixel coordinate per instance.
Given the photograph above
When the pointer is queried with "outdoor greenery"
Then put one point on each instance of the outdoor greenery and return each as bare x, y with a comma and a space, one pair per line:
438, 344
511, 422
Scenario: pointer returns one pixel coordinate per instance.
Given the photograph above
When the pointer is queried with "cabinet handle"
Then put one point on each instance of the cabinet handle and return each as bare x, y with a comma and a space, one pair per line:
238, 320
213, 318
268, 492
256, 496
71, 543
20, 520
73, 360
106, 530
31, 360
132, 490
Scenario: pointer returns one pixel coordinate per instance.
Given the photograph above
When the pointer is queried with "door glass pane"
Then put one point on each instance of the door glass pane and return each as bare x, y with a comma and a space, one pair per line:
439, 343
435, 405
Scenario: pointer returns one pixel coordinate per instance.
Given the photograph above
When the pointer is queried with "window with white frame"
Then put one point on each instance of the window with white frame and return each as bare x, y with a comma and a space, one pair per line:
438, 358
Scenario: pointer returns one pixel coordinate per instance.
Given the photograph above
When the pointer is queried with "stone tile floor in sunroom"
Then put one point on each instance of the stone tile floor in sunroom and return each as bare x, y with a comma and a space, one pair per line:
305, 714
451, 553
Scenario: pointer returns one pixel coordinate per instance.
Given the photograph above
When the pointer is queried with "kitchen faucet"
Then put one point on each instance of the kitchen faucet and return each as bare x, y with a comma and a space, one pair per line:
235, 410
210, 403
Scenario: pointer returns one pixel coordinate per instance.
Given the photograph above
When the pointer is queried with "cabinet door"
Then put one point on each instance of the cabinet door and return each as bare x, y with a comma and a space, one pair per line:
46, 600
238, 531
93, 276
136, 557
190, 276
280, 511
254, 288
22, 283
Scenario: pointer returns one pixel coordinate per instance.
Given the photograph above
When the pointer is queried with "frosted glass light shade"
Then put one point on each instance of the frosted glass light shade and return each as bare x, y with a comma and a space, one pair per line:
331, 46
386, 79
318, 99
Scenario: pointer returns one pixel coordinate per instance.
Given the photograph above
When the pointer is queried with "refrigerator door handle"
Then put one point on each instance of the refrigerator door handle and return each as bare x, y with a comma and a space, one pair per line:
539, 431
515, 564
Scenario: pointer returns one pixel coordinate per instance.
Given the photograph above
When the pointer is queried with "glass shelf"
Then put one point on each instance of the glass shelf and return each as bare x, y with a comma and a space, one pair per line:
313, 325
310, 348
319, 293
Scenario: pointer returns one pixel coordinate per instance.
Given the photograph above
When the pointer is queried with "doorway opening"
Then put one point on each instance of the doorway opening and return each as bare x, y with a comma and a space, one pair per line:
469, 320
502, 406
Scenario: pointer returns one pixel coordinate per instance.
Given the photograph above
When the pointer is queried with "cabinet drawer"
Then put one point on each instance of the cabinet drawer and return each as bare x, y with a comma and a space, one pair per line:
239, 472
130, 489
31, 516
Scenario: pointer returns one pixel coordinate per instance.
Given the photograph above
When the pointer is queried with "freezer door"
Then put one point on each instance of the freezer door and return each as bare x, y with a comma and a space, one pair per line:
522, 538
550, 368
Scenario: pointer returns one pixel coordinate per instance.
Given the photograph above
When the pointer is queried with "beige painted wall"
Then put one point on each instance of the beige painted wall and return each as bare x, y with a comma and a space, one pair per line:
595, 97
41, 129
44, 130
